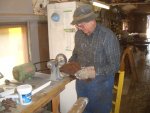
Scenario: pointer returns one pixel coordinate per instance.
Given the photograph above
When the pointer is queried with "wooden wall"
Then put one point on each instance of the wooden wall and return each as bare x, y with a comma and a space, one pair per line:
137, 23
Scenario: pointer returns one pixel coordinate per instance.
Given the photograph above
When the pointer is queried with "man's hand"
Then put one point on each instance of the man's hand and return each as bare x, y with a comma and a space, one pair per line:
86, 73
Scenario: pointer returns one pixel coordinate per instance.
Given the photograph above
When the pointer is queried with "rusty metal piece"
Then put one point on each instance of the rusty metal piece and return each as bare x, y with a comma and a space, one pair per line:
70, 68
6, 105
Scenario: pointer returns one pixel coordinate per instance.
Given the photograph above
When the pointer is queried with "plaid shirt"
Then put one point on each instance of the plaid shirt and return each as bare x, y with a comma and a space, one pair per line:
100, 49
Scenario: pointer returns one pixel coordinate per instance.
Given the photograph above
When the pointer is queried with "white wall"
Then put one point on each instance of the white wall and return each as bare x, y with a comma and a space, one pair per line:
61, 41
16, 6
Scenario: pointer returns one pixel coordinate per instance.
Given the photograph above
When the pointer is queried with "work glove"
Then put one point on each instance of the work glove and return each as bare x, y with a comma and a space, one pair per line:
70, 68
86, 73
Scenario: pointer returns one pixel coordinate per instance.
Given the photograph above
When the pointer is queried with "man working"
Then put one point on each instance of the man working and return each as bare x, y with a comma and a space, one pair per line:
97, 51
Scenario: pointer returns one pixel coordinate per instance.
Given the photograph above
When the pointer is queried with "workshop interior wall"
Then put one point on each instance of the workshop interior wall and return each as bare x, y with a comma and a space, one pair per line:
16, 7
13, 11
137, 23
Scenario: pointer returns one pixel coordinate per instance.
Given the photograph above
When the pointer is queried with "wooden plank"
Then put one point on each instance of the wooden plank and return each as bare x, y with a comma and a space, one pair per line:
56, 104
79, 105
42, 98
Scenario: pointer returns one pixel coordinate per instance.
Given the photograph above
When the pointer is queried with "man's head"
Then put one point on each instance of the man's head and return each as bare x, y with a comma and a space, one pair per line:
84, 19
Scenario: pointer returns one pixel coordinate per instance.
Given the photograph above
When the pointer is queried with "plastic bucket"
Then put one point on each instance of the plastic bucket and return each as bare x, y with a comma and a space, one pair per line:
25, 94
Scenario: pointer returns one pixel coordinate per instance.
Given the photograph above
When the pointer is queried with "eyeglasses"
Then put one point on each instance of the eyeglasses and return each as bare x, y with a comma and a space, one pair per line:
80, 26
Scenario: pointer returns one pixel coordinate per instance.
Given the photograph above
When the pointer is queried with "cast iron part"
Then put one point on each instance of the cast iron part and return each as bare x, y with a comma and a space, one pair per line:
54, 65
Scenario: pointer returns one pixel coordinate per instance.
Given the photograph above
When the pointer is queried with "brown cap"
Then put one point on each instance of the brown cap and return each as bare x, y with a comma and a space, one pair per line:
84, 13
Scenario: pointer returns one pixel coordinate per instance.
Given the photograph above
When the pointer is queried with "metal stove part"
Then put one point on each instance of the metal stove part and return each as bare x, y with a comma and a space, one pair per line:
54, 65
61, 59
8, 82
51, 64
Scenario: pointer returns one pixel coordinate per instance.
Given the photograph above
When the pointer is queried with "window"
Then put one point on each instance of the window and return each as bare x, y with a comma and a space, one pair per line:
125, 25
13, 48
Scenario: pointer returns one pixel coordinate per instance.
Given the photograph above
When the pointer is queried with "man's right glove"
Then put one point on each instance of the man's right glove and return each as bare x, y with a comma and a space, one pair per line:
86, 73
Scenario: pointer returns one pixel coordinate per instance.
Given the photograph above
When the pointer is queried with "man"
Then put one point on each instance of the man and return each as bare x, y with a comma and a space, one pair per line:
97, 51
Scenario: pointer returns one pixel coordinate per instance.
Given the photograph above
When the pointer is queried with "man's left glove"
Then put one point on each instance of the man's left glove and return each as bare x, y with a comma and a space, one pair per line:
70, 68
86, 73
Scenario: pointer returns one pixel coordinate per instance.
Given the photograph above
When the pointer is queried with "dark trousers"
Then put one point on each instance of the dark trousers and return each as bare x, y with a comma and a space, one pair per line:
99, 93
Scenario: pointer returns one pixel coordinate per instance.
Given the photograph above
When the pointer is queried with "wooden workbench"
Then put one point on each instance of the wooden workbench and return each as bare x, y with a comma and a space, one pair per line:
43, 97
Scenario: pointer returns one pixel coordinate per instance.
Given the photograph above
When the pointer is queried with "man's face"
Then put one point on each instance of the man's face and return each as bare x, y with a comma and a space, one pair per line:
86, 27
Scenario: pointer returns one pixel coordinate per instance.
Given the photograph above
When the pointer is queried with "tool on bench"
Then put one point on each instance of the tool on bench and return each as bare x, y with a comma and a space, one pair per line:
24, 71
54, 65
8, 82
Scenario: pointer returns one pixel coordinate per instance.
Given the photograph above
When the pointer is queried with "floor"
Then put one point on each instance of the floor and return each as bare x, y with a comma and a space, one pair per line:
137, 98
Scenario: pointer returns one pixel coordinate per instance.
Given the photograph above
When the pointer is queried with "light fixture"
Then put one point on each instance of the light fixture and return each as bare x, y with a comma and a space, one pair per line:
100, 4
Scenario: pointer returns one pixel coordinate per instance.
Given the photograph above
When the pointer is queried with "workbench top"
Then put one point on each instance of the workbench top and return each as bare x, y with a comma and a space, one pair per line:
44, 96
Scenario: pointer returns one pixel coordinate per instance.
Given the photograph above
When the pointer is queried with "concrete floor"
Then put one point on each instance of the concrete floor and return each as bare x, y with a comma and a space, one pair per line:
137, 98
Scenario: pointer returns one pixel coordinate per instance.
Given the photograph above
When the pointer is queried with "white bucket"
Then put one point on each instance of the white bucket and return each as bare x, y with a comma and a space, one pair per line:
25, 94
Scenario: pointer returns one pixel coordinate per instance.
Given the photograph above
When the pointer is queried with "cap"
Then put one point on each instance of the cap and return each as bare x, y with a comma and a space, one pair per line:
84, 13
